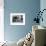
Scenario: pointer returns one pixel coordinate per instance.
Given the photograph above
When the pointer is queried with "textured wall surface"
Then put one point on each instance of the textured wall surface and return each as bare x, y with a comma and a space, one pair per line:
29, 7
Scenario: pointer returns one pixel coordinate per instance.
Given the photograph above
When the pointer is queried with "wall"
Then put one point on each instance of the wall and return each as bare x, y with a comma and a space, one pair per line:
29, 7
1, 21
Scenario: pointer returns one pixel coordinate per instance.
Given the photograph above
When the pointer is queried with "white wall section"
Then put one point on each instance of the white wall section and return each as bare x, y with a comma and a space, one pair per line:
1, 20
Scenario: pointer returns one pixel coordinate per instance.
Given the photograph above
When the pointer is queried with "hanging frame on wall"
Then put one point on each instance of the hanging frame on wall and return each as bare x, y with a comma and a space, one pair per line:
17, 18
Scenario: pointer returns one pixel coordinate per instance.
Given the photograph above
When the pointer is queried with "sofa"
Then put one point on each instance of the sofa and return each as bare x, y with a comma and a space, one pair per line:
39, 37
39, 34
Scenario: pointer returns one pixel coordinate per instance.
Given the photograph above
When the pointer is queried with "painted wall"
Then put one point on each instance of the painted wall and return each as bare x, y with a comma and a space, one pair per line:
29, 7
1, 20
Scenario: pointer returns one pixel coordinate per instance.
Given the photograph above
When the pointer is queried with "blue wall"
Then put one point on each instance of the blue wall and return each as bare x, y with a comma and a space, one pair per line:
29, 7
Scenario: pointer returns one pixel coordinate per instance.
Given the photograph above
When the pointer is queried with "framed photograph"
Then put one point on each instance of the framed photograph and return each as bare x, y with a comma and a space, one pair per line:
17, 19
